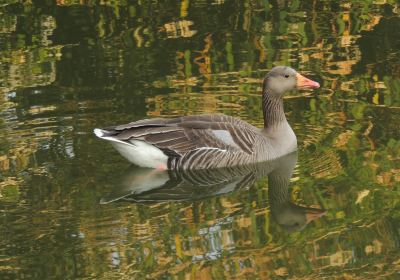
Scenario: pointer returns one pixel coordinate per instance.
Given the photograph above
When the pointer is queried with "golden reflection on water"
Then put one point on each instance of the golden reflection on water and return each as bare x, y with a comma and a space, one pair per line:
131, 61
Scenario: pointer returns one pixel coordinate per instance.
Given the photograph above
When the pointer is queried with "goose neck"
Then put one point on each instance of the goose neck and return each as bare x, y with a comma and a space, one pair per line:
274, 115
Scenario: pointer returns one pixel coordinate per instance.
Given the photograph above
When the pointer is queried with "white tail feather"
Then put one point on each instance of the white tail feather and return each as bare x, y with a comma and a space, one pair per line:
136, 151
99, 132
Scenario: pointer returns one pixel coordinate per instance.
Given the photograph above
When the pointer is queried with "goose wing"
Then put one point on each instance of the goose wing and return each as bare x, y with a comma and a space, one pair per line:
176, 137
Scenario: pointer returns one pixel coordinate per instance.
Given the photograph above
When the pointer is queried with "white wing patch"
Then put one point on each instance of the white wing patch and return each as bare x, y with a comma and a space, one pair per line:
210, 148
225, 137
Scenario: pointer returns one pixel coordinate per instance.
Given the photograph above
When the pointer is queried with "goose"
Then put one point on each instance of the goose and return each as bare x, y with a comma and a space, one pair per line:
212, 140
144, 185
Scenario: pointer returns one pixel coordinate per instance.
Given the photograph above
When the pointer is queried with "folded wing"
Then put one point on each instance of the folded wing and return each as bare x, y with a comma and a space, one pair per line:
205, 134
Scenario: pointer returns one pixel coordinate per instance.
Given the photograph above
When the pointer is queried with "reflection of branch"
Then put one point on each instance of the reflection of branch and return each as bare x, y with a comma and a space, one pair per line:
366, 134
247, 20
138, 38
258, 44
179, 65
178, 29
205, 67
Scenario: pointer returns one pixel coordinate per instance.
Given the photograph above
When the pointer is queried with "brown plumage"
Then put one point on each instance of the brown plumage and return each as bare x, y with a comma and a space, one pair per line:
210, 141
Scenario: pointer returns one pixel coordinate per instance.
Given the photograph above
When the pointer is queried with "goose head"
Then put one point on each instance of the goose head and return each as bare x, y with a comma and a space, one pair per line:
282, 79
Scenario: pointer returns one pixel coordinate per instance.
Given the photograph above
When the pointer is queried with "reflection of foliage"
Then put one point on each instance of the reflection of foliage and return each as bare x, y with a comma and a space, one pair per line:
28, 68
27, 60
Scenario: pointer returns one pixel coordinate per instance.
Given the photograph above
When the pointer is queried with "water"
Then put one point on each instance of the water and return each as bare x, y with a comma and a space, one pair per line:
70, 66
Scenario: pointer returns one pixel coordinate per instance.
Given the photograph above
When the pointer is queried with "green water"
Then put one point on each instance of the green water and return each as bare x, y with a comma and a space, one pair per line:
69, 66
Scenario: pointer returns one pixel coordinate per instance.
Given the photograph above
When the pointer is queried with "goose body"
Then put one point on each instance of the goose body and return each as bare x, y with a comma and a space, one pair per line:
212, 141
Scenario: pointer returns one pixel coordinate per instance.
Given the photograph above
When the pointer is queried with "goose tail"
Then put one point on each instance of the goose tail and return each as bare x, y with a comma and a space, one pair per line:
108, 135
136, 151
101, 133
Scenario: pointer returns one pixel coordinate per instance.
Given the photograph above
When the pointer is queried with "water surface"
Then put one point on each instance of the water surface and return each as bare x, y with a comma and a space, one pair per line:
68, 66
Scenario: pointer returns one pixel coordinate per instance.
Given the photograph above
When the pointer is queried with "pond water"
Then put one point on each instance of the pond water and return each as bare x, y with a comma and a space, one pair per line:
72, 208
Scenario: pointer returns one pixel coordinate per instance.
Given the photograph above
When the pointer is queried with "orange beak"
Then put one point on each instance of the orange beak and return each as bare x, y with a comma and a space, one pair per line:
304, 83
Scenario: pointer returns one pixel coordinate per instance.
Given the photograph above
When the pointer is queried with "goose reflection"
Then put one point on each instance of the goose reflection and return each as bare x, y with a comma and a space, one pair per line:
143, 185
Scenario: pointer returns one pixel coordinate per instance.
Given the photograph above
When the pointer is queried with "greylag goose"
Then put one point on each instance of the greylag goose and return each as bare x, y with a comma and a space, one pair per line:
212, 141
144, 185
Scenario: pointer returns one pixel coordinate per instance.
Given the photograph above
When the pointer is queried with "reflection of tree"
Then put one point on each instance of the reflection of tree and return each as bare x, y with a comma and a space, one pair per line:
179, 29
24, 66
28, 68
380, 60
26, 60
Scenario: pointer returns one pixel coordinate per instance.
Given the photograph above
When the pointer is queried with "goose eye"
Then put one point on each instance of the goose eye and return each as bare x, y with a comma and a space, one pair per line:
286, 76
